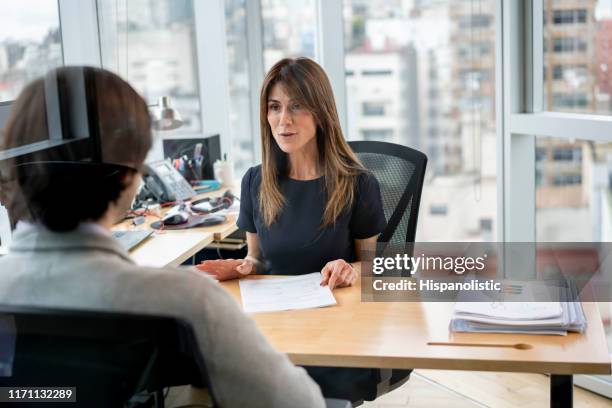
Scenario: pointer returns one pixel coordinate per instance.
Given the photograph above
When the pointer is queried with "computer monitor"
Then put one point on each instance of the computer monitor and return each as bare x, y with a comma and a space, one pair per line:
210, 150
72, 128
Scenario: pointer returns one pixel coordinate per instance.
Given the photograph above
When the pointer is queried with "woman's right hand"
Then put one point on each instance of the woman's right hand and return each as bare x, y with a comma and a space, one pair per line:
226, 269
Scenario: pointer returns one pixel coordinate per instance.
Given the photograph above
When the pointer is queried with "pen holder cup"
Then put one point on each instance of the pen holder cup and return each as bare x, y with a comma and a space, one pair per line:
224, 172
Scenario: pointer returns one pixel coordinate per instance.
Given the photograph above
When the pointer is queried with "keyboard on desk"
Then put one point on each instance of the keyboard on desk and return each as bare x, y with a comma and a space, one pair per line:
129, 239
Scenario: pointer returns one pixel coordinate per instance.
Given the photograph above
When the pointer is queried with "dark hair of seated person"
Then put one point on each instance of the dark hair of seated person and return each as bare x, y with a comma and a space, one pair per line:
51, 187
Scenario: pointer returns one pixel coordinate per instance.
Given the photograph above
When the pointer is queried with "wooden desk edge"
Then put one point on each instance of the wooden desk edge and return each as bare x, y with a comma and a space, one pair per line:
218, 236
394, 362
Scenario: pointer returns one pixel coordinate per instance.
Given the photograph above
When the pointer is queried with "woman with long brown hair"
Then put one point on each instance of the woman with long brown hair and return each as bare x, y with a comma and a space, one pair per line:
311, 205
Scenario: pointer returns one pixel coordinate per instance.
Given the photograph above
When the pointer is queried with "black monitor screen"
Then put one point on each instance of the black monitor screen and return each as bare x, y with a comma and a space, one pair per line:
194, 158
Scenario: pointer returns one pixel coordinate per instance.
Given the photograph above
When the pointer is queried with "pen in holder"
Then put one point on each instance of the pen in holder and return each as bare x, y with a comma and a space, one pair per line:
189, 164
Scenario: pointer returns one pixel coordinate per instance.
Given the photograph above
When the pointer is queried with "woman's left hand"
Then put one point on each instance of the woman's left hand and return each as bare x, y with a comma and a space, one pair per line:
338, 273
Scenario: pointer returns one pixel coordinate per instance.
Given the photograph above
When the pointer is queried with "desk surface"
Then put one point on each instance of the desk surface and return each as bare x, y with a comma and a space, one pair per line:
219, 231
396, 335
171, 248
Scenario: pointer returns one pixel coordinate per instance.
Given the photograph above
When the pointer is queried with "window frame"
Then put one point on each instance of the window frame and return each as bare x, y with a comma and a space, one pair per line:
254, 27
330, 52
209, 20
525, 118
79, 31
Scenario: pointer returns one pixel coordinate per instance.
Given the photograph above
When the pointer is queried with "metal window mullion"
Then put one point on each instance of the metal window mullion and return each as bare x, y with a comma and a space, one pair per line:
563, 125
519, 149
79, 32
500, 118
212, 66
511, 95
254, 29
537, 55
329, 51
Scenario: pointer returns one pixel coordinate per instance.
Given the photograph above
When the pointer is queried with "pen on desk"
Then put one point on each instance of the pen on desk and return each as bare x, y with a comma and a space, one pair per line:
518, 346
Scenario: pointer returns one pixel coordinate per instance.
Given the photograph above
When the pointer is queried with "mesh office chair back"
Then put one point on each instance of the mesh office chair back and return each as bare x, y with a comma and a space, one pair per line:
400, 171
108, 357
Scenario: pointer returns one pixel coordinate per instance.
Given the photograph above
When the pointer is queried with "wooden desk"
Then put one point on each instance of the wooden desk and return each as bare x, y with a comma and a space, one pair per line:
398, 335
169, 248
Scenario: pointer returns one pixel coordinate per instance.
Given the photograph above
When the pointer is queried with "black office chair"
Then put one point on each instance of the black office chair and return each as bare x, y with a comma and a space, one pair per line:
110, 358
400, 171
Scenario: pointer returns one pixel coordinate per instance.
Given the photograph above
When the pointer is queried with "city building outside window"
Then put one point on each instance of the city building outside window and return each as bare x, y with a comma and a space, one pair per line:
381, 135
439, 89
574, 175
373, 109
30, 44
569, 16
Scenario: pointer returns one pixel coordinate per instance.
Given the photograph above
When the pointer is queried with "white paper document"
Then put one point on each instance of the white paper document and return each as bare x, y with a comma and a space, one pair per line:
296, 292
516, 311
525, 317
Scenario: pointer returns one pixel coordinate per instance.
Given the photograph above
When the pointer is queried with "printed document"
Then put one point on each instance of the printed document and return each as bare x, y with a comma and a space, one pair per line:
512, 311
296, 292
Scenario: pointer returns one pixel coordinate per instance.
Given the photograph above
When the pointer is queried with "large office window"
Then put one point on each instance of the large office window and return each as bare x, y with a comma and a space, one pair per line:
151, 43
558, 118
30, 43
574, 176
422, 74
243, 148
288, 29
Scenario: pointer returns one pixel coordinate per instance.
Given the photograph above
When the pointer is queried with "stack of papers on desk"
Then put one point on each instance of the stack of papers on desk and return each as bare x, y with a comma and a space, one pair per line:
511, 317
296, 292
557, 318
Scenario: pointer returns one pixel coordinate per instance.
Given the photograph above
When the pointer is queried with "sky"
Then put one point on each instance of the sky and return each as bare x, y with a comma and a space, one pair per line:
603, 9
27, 19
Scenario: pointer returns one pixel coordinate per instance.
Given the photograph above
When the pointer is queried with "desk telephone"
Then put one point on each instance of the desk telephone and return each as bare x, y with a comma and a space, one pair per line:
164, 183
